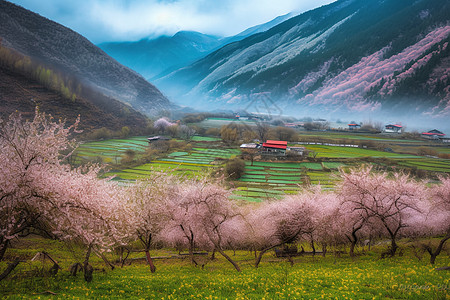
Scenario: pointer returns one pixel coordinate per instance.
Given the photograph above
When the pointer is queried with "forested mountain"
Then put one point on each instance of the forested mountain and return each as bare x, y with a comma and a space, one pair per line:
349, 56
153, 58
62, 50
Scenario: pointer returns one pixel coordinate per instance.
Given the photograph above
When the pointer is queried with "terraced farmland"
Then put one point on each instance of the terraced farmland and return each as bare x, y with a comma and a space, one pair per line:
109, 151
348, 152
429, 164
262, 180
269, 180
200, 161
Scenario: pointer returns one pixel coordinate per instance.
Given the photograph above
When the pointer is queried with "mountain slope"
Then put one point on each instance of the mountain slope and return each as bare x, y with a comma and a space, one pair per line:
154, 58
63, 49
351, 55
17, 92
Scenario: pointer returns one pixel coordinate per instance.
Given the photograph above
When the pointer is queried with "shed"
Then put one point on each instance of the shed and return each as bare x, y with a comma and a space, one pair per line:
157, 138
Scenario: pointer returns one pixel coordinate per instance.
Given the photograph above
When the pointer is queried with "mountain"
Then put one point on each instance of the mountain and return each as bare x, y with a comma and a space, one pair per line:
61, 49
262, 27
351, 56
150, 57
154, 58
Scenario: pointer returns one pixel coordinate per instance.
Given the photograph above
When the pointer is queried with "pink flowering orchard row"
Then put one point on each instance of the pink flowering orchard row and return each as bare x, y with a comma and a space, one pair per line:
39, 194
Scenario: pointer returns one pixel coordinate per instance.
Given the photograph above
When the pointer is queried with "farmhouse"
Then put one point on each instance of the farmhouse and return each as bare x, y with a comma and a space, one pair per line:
294, 125
353, 126
433, 134
390, 128
274, 148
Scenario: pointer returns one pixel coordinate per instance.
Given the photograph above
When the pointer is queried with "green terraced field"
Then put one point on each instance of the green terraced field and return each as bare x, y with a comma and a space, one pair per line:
199, 162
264, 180
109, 150
348, 152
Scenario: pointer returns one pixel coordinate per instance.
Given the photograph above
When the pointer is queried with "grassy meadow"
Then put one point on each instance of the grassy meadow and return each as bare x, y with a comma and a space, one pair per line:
330, 277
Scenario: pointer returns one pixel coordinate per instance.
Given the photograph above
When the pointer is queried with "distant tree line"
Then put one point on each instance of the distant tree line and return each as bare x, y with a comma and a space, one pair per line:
48, 77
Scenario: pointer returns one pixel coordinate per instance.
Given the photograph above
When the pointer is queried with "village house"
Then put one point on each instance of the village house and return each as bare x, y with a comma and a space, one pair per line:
391, 128
271, 147
353, 126
433, 134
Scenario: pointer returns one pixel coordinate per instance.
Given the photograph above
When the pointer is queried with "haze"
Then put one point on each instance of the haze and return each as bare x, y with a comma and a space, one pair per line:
130, 20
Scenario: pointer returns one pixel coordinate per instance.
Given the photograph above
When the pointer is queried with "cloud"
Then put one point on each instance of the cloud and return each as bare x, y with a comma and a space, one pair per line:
107, 20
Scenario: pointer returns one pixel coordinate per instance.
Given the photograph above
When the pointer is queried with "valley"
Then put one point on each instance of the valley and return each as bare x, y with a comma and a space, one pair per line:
163, 150
267, 178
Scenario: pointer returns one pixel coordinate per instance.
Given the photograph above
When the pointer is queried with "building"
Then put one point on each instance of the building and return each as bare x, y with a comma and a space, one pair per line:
274, 148
297, 150
250, 146
157, 138
353, 126
433, 134
294, 124
390, 128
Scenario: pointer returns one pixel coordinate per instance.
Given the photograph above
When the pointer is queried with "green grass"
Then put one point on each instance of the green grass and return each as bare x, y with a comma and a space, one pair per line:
110, 150
365, 277
197, 162
345, 152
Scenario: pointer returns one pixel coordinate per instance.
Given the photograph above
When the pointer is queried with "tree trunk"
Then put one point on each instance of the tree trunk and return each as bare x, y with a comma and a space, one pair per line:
291, 261
261, 253
107, 262
434, 254
352, 248
394, 247
88, 269
9, 269
313, 248
324, 250
3, 247
191, 252
235, 265
150, 261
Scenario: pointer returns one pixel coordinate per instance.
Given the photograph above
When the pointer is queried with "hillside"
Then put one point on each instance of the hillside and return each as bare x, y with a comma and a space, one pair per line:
62, 49
18, 92
154, 58
383, 56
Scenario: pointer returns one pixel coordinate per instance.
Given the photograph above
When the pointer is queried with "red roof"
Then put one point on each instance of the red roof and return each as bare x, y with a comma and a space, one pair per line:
267, 145
354, 125
398, 126
431, 133
276, 142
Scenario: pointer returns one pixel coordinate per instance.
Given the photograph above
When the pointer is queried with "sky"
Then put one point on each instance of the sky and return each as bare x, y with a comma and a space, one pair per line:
131, 20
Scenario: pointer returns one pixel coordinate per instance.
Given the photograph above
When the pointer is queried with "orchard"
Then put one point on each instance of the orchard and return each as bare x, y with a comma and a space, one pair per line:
42, 195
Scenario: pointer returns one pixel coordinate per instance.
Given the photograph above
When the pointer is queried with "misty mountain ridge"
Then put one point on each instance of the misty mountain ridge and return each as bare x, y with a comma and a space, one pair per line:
64, 50
157, 57
348, 57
